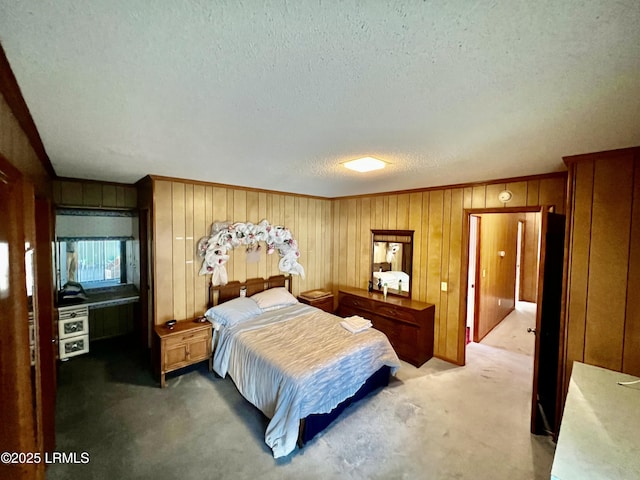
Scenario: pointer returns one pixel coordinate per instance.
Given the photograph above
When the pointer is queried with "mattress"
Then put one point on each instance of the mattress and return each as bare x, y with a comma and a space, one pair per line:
395, 280
298, 361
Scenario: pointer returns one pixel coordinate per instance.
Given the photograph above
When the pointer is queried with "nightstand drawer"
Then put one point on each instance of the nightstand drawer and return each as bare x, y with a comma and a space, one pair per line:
186, 337
70, 347
72, 327
65, 313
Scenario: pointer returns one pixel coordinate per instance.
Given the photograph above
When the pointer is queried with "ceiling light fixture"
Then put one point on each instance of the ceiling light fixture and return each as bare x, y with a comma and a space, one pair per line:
365, 164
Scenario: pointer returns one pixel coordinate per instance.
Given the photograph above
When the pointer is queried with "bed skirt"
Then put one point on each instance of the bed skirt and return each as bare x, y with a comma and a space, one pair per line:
317, 422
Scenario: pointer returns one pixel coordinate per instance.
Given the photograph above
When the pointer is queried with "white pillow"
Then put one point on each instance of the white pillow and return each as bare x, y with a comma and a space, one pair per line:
234, 311
274, 298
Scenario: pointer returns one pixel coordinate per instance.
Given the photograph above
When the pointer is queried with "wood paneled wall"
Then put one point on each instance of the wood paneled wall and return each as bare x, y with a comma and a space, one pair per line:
17, 390
497, 279
93, 194
438, 218
16, 147
113, 321
183, 212
602, 315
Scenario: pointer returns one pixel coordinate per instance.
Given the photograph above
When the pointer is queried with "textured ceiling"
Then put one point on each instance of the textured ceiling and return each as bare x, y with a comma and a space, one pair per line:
275, 94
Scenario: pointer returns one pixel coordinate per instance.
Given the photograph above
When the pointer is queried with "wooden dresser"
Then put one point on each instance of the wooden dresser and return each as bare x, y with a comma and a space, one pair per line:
407, 323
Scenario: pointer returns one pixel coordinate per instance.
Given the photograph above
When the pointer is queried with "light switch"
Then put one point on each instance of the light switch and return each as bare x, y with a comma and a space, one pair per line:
443, 286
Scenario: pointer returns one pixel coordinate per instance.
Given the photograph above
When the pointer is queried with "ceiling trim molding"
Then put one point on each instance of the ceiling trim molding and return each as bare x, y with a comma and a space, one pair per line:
227, 185
504, 181
98, 182
620, 152
11, 91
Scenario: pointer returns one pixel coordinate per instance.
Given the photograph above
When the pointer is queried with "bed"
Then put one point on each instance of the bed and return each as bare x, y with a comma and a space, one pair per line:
395, 280
294, 362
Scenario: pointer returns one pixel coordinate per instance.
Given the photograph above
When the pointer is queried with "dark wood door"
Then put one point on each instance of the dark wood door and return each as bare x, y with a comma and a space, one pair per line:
545, 369
144, 330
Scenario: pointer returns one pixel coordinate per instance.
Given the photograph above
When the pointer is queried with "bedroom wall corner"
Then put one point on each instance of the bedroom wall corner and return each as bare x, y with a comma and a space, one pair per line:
602, 308
437, 216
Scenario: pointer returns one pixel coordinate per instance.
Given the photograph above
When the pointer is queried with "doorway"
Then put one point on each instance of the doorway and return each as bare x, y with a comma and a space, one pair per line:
502, 272
495, 269
474, 244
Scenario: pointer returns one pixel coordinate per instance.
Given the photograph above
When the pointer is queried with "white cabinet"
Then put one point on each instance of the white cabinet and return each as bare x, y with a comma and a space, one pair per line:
599, 430
73, 331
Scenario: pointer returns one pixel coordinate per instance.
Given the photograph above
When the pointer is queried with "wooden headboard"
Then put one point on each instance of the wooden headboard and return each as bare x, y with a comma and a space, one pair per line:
222, 293
386, 266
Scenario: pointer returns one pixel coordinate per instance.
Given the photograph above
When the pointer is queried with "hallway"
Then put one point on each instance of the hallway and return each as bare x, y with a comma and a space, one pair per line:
511, 334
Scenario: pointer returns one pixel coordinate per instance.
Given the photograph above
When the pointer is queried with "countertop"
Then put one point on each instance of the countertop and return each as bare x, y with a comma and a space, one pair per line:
107, 297
600, 430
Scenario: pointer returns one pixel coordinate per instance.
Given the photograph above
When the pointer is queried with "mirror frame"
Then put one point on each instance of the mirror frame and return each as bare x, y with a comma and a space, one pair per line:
397, 236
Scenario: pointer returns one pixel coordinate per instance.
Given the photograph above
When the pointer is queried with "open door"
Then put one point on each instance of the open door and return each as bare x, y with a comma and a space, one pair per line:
547, 331
143, 327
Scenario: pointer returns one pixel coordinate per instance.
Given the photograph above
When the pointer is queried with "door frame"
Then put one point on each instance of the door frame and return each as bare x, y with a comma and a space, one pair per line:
464, 267
464, 272
17, 416
476, 272
520, 241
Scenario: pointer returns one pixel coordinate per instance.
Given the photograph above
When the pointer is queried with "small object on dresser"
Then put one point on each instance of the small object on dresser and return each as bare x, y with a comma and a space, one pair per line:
379, 284
370, 286
170, 324
200, 319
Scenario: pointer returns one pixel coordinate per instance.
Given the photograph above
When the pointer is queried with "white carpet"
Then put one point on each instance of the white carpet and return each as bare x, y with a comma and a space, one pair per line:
436, 422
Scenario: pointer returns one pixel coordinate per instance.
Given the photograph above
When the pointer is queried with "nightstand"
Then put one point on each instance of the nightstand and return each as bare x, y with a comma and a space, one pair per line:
321, 299
188, 342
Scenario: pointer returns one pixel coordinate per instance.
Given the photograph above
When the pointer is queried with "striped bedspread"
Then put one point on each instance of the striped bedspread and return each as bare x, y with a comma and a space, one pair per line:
296, 361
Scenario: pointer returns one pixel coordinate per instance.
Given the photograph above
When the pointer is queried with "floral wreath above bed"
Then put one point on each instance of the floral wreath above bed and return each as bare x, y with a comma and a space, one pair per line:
227, 236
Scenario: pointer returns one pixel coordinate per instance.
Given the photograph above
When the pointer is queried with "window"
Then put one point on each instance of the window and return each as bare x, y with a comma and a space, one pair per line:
93, 263
95, 248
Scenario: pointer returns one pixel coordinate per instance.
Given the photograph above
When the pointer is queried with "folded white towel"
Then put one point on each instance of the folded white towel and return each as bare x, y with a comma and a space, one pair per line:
355, 324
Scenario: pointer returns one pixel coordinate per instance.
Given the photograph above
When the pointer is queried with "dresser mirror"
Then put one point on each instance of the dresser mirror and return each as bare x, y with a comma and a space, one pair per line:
391, 261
